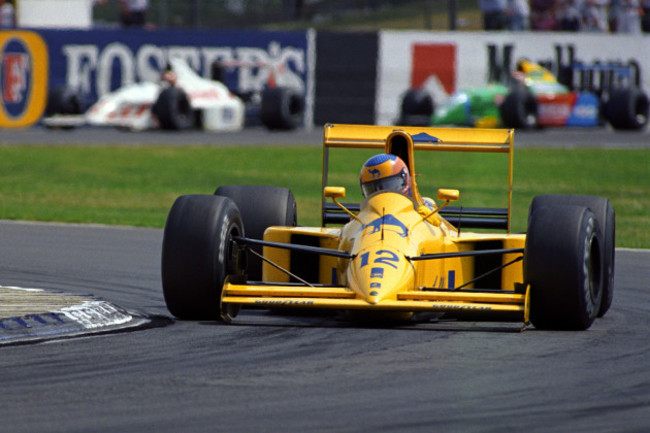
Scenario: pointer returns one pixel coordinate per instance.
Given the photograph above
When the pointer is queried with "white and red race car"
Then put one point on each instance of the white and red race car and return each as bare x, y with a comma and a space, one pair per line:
180, 100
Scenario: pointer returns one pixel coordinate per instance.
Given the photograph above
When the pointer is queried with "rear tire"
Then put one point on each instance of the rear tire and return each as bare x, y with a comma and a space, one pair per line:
173, 109
282, 108
627, 109
519, 109
261, 207
197, 254
562, 264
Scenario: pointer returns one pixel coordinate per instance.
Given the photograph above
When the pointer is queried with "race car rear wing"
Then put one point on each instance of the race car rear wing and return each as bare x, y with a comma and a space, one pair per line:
403, 141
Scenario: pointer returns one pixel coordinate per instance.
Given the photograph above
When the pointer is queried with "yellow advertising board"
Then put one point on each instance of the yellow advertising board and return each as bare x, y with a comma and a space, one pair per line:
24, 74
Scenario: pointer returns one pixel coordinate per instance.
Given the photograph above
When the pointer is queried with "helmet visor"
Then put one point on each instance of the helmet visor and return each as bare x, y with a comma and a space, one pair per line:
395, 183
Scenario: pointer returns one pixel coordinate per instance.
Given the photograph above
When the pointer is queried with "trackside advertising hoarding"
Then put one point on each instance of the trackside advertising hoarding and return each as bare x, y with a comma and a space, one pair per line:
444, 62
95, 62
360, 76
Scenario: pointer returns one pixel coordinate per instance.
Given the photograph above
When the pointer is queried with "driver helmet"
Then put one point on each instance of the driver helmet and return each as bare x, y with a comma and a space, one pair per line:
385, 172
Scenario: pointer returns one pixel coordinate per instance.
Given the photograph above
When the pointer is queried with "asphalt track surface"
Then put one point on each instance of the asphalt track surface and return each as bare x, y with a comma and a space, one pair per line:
270, 372
554, 137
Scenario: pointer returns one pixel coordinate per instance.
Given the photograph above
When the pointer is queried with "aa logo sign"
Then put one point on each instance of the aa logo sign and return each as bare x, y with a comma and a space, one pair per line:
434, 60
23, 78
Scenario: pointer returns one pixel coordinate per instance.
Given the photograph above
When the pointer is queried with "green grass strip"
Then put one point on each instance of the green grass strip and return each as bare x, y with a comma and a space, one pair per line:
137, 185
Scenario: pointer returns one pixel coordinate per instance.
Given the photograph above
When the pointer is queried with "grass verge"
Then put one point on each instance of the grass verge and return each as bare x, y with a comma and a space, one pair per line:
137, 185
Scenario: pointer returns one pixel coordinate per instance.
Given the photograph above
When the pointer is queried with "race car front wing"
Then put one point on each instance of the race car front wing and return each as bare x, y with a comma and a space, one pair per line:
238, 292
342, 298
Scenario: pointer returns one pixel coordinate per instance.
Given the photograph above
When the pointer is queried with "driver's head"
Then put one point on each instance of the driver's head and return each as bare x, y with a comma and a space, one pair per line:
385, 172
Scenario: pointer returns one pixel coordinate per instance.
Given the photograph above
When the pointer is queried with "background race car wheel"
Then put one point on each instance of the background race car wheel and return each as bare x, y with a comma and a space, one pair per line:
417, 108
562, 264
173, 109
604, 211
519, 109
63, 101
197, 254
282, 108
627, 109
261, 207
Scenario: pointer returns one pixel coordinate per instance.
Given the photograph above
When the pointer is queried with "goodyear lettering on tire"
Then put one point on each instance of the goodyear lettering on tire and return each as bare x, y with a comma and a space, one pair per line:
24, 75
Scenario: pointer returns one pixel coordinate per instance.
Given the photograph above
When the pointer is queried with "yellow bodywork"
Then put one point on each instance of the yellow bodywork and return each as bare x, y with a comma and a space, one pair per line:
386, 238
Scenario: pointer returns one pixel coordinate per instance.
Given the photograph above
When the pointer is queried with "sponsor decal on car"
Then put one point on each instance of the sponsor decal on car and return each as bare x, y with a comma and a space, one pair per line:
377, 273
458, 307
282, 302
388, 220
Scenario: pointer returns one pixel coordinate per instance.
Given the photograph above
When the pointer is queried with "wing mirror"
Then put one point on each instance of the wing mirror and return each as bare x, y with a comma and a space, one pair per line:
448, 194
335, 192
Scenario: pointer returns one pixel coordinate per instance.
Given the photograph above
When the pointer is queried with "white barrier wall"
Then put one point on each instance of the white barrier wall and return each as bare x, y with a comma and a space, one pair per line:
444, 62
64, 14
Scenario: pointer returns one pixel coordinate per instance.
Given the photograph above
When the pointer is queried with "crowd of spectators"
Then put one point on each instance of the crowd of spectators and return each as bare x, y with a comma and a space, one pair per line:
614, 16
7, 14
132, 13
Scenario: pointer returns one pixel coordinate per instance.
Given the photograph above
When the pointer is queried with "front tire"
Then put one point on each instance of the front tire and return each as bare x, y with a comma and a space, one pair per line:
63, 100
416, 108
562, 264
604, 211
197, 254
261, 207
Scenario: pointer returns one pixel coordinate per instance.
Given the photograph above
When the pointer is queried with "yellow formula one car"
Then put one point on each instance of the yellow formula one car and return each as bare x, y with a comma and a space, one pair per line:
396, 255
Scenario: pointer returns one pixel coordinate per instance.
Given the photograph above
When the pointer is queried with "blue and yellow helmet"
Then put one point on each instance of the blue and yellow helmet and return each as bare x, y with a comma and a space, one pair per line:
385, 172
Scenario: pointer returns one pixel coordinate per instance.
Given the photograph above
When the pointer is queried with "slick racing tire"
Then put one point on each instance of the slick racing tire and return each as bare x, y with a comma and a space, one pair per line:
627, 109
197, 254
282, 108
519, 109
261, 207
62, 100
604, 211
417, 108
173, 109
562, 264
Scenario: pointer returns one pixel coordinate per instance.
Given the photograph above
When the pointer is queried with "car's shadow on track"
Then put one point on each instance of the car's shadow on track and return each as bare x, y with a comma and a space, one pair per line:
269, 319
